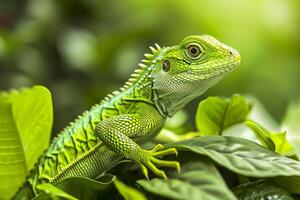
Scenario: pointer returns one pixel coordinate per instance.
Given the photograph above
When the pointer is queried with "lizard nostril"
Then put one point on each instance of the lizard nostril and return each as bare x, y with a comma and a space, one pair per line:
231, 52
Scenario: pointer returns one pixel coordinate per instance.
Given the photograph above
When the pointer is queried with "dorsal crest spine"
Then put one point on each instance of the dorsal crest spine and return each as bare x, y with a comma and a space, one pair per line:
135, 76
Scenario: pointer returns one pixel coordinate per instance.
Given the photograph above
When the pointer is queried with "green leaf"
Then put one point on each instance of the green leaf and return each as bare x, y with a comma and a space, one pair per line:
174, 128
263, 190
215, 114
292, 126
76, 188
177, 121
263, 135
198, 180
25, 126
53, 192
290, 184
259, 114
274, 141
166, 136
242, 156
129, 193
283, 146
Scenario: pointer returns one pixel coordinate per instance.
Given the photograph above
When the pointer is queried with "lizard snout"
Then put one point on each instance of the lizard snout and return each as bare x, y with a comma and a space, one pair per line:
236, 56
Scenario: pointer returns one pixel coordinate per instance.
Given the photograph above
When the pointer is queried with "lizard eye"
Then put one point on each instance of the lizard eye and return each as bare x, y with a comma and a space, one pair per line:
193, 51
166, 65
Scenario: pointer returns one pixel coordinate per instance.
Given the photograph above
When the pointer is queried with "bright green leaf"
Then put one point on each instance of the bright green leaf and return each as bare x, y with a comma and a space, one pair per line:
259, 114
198, 180
242, 156
166, 135
215, 114
263, 135
283, 146
25, 127
129, 193
274, 141
263, 190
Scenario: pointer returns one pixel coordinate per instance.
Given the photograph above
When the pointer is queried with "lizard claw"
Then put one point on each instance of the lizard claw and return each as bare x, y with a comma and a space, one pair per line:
149, 160
157, 147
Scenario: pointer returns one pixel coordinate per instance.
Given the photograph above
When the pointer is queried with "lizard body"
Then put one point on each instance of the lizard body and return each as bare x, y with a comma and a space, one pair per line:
167, 80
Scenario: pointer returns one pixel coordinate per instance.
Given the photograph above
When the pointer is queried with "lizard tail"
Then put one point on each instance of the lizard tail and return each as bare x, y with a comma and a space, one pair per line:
24, 193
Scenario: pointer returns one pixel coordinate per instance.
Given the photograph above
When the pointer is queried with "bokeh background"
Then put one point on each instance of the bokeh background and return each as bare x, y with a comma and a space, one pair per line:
83, 49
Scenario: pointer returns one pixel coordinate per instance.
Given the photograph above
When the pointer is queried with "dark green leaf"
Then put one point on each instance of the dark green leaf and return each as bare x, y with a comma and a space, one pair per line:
263, 190
215, 114
53, 192
290, 184
80, 187
242, 156
25, 127
198, 180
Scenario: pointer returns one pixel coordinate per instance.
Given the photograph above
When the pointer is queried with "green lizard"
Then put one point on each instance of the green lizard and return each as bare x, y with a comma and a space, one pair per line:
167, 80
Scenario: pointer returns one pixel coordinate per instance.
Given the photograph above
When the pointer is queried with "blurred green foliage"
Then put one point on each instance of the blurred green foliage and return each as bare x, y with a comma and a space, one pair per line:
82, 50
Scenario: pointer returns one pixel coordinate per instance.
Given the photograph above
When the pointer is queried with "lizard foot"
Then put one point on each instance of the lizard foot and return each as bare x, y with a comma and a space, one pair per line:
150, 160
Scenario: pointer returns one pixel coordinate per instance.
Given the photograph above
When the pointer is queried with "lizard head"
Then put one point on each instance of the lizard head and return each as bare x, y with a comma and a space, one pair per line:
184, 72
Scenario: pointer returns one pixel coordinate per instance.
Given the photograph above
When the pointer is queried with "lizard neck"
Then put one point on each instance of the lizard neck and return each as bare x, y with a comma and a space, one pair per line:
140, 85
141, 81
142, 88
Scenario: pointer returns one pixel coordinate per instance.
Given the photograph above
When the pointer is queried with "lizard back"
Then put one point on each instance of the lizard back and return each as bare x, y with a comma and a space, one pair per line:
71, 152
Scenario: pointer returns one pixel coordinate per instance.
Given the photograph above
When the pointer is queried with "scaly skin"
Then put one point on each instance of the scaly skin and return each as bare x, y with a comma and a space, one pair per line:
167, 80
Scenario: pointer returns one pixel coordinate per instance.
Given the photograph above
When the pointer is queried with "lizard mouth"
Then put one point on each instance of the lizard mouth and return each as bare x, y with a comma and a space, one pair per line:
217, 69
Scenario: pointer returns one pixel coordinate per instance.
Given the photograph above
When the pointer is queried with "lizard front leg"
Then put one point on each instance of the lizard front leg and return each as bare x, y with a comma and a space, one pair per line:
116, 134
